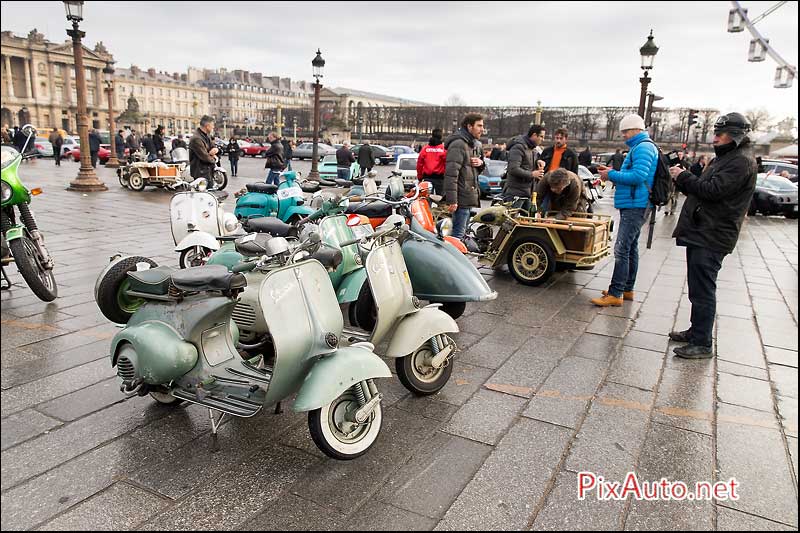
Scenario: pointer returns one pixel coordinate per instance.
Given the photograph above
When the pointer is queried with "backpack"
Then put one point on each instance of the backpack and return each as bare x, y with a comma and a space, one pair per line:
662, 181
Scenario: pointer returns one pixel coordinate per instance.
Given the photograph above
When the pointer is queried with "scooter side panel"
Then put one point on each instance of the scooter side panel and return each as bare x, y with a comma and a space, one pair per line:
333, 374
350, 286
441, 273
226, 256
334, 231
302, 315
163, 356
256, 204
416, 329
297, 211
390, 286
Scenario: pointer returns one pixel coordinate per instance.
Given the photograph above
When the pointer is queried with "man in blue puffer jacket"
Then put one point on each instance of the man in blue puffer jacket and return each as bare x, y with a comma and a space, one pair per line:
633, 183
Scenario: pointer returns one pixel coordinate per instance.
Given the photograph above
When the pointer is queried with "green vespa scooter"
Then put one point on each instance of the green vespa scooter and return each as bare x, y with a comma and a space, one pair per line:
180, 343
22, 242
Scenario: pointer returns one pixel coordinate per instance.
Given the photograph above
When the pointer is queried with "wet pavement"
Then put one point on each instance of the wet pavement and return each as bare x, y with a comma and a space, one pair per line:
545, 386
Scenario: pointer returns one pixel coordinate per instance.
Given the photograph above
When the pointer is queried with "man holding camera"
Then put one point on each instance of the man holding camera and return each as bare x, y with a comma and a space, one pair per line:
709, 225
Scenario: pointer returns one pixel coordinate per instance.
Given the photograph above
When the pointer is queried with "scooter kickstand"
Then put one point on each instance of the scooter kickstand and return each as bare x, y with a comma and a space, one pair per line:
278, 408
215, 423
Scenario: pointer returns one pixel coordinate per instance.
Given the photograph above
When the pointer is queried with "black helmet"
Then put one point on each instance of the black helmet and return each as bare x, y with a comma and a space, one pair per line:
734, 124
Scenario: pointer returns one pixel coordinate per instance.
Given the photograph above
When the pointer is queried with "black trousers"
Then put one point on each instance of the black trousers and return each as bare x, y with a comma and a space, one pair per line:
437, 180
234, 165
94, 158
57, 155
702, 267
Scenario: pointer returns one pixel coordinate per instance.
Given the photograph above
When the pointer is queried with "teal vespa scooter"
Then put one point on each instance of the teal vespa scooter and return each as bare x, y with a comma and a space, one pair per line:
180, 343
285, 201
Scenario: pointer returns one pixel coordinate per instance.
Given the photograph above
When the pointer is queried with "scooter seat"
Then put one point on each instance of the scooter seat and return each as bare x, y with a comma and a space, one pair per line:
253, 246
329, 256
274, 226
370, 209
153, 281
207, 278
265, 188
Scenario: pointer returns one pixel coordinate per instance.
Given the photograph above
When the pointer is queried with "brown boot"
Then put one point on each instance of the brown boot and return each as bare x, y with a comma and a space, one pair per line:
607, 301
627, 295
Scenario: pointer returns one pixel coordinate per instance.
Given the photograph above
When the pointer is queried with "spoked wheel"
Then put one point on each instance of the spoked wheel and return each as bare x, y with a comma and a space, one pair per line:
531, 261
31, 266
418, 375
194, 256
111, 291
220, 180
136, 181
335, 430
123, 178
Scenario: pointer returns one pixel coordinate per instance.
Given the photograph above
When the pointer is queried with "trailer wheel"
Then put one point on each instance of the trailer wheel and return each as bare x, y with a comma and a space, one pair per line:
531, 261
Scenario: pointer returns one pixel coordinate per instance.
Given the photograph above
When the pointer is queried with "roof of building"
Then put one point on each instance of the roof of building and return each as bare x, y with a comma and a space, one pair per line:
375, 96
150, 75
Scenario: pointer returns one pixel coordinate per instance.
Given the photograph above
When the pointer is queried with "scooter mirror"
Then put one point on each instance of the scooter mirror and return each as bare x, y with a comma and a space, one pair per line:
29, 130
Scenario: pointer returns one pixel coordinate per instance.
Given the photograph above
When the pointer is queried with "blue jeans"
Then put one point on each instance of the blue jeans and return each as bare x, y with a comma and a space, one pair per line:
460, 220
274, 176
626, 251
343, 173
288, 164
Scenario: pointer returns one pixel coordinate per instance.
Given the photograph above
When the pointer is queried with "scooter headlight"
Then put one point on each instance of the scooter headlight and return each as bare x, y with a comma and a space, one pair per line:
7, 192
444, 228
230, 222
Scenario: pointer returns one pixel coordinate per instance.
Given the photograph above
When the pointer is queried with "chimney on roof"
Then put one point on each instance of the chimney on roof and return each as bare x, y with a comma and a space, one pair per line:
183, 77
135, 70
256, 77
176, 76
151, 72
276, 80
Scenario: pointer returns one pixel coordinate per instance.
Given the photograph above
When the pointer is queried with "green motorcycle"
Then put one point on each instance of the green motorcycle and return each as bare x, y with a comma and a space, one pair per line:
22, 242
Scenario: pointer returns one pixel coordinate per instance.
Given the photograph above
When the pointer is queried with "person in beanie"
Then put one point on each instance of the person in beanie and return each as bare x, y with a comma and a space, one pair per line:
463, 165
633, 183
709, 225
431, 162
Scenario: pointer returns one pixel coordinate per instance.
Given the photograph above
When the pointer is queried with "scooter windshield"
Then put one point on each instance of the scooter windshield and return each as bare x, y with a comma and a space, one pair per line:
9, 155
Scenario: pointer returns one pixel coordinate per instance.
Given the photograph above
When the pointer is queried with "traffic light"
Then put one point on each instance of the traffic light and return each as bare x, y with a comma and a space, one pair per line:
693, 117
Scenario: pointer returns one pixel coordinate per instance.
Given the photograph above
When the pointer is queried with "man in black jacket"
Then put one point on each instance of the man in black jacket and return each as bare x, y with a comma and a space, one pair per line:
365, 158
520, 174
462, 168
275, 159
616, 160
202, 151
344, 161
709, 225
585, 157
94, 146
560, 155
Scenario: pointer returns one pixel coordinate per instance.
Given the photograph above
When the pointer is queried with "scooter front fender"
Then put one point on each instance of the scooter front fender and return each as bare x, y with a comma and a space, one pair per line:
161, 354
350, 286
333, 374
14, 232
198, 238
416, 329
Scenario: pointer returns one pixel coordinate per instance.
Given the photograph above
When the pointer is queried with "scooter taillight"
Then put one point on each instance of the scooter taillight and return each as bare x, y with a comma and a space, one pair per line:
353, 220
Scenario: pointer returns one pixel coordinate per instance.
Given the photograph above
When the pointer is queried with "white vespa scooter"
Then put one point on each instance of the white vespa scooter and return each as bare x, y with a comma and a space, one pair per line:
198, 221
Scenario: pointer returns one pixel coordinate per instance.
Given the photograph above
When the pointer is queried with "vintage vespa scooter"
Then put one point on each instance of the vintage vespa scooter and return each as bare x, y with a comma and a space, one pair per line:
284, 201
179, 342
198, 222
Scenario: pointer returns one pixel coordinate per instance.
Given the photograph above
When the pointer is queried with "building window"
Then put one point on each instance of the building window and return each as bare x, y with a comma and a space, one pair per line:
88, 74
42, 68
161, 92
57, 69
152, 91
141, 90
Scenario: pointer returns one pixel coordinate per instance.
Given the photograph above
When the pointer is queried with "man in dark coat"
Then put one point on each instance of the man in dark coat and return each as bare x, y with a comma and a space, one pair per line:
521, 177
133, 143
365, 158
158, 140
57, 142
202, 151
344, 160
616, 160
585, 157
709, 225
150, 147
275, 159
562, 191
464, 165
560, 155
94, 146
119, 145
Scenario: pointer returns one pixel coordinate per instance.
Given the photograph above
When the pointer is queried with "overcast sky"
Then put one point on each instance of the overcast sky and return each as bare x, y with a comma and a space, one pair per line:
564, 53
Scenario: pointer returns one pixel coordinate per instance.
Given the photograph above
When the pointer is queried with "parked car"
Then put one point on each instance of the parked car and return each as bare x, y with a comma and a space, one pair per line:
774, 195
304, 151
253, 149
103, 155
399, 149
327, 169
777, 166
43, 146
70, 142
490, 181
406, 166
382, 155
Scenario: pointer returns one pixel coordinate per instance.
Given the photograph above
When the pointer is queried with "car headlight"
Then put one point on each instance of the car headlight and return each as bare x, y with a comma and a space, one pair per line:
7, 192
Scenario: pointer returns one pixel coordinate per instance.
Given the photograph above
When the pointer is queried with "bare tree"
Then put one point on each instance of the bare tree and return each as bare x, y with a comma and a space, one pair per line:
613, 116
455, 100
708, 116
759, 119
788, 128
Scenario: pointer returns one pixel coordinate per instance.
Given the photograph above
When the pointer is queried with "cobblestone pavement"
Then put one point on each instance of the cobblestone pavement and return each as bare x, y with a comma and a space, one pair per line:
546, 386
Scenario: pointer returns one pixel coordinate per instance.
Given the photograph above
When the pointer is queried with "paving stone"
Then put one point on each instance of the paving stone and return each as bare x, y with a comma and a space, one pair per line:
82, 402
646, 341
513, 336
427, 407
512, 482
59, 445
479, 323
793, 452
54, 363
779, 337
593, 346
524, 370
377, 516
637, 368
733, 520
744, 391
765, 487
486, 354
237, 497
434, 476
780, 356
24, 425
293, 513
737, 341
611, 326
685, 400
784, 380
25, 396
660, 325
485, 417
563, 511
735, 310
70, 483
787, 407
678, 455
463, 383
120, 507
736, 369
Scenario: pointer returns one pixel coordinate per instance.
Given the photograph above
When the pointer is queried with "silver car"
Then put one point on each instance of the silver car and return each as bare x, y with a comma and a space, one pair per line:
43, 146
304, 151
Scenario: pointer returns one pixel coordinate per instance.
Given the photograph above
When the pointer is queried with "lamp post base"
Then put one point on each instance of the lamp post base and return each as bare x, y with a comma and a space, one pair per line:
87, 181
112, 162
313, 175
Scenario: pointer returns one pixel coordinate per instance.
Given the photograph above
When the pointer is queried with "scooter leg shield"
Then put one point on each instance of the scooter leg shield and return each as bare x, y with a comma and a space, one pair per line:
417, 328
198, 238
333, 374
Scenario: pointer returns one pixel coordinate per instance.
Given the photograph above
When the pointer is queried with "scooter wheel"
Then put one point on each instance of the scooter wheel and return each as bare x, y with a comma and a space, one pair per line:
310, 186
417, 375
335, 435
111, 295
165, 398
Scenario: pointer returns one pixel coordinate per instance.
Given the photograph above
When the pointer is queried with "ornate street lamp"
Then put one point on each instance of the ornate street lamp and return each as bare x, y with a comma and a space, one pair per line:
648, 52
318, 63
294, 127
360, 129
87, 179
108, 77
538, 112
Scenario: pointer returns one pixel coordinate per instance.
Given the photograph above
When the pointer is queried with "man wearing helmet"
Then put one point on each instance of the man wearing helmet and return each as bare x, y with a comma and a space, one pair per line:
709, 225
